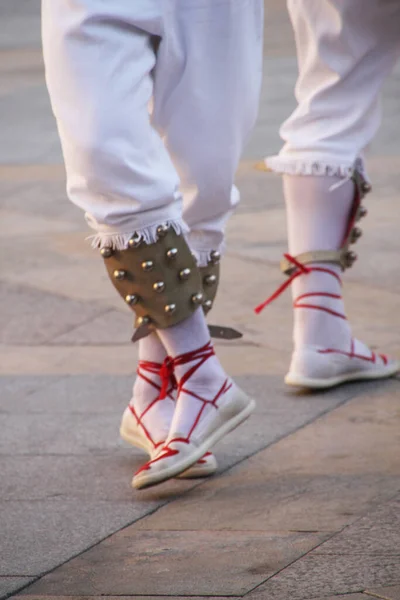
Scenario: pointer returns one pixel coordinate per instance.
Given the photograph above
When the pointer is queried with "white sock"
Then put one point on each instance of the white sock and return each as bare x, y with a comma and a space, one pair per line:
155, 415
317, 217
207, 381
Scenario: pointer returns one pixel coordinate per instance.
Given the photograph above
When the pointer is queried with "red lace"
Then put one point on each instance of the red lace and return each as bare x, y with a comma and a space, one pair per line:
199, 356
303, 270
166, 389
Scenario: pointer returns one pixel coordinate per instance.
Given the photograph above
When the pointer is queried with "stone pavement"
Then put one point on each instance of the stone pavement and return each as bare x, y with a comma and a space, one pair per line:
306, 503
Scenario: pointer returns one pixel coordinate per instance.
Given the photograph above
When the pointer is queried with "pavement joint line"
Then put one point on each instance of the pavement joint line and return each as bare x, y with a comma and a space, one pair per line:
377, 595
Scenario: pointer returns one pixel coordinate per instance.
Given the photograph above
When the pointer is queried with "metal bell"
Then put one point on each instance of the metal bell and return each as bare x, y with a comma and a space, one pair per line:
366, 187
198, 298
131, 299
362, 212
350, 258
170, 308
208, 304
106, 252
210, 279
162, 230
172, 253
119, 274
215, 256
184, 274
355, 234
159, 286
147, 265
135, 241
143, 320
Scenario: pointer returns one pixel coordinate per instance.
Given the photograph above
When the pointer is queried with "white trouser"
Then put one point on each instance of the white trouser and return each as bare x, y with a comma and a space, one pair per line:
345, 48
200, 63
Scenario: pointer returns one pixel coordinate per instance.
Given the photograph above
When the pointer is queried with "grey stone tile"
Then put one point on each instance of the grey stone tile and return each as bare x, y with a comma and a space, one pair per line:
319, 478
72, 395
37, 197
27, 596
62, 433
290, 502
386, 593
39, 534
103, 477
375, 534
111, 328
184, 563
315, 576
14, 391
29, 132
20, 23
360, 596
28, 316
12, 584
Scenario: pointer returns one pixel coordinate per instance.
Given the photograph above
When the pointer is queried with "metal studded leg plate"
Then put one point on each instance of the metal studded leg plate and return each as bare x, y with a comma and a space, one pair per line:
160, 282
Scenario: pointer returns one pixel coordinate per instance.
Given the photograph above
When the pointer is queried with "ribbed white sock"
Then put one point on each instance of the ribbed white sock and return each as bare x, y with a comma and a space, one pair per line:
317, 217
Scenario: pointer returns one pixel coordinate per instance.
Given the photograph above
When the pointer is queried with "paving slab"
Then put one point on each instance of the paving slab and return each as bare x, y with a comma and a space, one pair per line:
78, 395
66, 477
30, 317
15, 391
54, 529
344, 597
205, 563
386, 593
38, 190
10, 584
319, 478
377, 534
41, 597
315, 576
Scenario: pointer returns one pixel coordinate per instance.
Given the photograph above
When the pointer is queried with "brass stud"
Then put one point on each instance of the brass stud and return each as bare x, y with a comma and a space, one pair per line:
215, 257
170, 308
208, 304
143, 320
159, 286
135, 241
210, 279
162, 230
350, 258
131, 299
197, 298
184, 274
106, 252
119, 274
366, 187
172, 253
147, 265
362, 212
355, 234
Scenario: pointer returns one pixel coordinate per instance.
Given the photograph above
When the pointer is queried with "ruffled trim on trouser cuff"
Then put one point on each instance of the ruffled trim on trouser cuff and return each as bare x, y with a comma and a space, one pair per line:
148, 234
286, 166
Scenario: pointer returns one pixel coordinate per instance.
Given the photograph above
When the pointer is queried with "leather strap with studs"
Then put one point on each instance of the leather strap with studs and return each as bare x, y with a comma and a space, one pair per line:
344, 257
210, 280
160, 282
